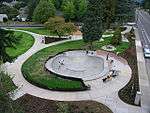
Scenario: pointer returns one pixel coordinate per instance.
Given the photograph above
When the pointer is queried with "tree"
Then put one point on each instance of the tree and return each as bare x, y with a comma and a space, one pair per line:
124, 11
68, 9
57, 3
92, 28
7, 39
43, 11
109, 7
80, 8
7, 105
116, 39
5, 20
59, 26
10, 11
74, 9
147, 5
19, 5
32, 4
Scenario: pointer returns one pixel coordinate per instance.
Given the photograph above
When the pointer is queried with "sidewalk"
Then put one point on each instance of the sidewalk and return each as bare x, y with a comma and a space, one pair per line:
143, 77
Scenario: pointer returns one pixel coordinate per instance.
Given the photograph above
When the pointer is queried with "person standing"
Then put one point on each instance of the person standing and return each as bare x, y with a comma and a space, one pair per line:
107, 57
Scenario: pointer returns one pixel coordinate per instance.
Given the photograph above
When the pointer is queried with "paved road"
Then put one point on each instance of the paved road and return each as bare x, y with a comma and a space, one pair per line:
144, 32
143, 23
21, 25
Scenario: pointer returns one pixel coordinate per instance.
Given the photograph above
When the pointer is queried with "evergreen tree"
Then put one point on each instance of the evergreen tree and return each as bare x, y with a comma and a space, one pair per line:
74, 9
57, 3
109, 7
124, 11
147, 5
117, 38
7, 105
10, 11
43, 11
92, 28
68, 9
80, 8
32, 4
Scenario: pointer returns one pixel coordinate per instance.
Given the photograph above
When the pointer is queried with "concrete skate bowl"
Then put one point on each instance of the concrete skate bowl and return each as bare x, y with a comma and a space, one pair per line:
78, 64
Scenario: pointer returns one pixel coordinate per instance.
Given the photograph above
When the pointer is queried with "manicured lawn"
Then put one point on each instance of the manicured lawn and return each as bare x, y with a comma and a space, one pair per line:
26, 42
42, 31
33, 68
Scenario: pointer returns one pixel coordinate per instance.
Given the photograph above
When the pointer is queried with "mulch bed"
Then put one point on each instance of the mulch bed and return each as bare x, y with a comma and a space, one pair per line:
128, 93
53, 39
31, 104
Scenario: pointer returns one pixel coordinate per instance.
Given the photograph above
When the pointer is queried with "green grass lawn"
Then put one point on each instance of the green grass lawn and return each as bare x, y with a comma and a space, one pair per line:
33, 68
42, 31
26, 41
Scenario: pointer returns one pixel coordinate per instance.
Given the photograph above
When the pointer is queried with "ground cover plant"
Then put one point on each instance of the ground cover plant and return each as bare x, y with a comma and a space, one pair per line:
32, 104
128, 93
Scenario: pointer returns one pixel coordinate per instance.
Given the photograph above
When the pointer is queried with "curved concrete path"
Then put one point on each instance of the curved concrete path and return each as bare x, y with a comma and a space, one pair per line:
106, 93
128, 29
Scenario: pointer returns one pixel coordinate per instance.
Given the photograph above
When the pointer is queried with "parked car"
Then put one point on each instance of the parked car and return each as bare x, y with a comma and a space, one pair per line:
146, 51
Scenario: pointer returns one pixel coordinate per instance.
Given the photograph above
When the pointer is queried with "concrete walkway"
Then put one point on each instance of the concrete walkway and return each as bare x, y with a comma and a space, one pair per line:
128, 29
106, 93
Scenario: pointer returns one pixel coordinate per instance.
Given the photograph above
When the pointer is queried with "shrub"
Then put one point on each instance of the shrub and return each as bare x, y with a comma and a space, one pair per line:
116, 39
43, 11
5, 20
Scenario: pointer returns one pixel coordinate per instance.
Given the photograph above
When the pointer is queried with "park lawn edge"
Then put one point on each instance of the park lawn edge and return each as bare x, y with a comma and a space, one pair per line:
41, 31
25, 43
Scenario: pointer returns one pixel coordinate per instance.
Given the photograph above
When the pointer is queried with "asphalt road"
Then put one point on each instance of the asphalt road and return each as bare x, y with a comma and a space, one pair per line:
21, 25
144, 32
